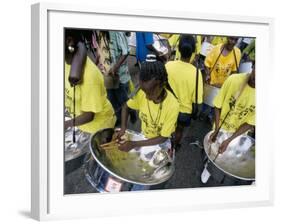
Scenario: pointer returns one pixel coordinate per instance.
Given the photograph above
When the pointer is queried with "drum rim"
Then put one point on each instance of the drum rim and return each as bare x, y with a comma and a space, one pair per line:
232, 175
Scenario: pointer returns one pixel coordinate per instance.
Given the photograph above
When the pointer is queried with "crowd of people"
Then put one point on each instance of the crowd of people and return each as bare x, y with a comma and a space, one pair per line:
173, 72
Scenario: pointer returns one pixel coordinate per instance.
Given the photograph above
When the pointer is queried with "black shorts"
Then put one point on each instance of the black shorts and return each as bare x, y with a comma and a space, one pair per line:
184, 119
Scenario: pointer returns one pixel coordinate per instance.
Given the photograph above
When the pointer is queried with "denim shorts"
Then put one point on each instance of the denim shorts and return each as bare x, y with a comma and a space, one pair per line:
184, 119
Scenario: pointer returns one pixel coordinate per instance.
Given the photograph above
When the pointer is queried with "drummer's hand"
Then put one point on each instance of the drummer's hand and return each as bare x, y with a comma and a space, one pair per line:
126, 146
119, 134
223, 146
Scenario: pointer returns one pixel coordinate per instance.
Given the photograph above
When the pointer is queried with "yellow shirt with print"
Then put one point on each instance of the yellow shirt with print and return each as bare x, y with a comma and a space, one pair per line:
245, 106
225, 64
90, 96
182, 79
174, 43
156, 120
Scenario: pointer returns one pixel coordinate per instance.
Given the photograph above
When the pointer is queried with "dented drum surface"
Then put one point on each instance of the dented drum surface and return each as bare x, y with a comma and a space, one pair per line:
239, 158
149, 165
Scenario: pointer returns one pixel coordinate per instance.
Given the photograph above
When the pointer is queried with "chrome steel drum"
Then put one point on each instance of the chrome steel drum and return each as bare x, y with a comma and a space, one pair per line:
245, 67
210, 92
239, 158
206, 48
145, 166
81, 146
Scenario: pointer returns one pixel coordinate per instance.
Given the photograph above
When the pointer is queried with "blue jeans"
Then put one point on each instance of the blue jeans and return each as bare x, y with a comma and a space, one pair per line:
118, 97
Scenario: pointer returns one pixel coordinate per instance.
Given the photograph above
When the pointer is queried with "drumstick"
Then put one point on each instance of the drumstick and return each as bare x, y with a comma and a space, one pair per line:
109, 143
216, 156
109, 147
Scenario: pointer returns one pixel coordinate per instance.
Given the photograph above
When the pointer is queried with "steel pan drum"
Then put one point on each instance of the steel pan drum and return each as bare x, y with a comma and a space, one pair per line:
245, 67
145, 165
206, 48
239, 158
210, 92
73, 150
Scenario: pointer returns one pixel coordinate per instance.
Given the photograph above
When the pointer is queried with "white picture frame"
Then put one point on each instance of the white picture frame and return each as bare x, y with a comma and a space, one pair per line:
48, 201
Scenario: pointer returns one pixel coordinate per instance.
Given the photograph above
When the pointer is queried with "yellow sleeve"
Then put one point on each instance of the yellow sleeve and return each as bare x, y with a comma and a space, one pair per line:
170, 121
134, 103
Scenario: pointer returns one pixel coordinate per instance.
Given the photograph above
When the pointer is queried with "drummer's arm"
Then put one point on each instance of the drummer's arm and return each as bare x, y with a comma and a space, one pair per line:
217, 118
241, 130
124, 118
213, 136
128, 145
152, 141
114, 69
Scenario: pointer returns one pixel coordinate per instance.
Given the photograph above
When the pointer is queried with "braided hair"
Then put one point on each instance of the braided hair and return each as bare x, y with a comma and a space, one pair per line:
153, 69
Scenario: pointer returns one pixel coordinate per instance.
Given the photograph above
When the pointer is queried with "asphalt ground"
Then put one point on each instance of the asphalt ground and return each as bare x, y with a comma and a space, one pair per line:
189, 160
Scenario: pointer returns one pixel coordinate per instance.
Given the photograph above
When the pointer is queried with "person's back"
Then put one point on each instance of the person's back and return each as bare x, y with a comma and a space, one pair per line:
182, 79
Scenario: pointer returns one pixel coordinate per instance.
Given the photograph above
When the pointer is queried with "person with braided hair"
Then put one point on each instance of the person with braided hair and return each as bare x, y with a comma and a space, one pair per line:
158, 107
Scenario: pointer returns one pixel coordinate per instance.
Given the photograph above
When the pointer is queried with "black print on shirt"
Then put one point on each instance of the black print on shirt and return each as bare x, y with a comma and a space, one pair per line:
151, 128
239, 111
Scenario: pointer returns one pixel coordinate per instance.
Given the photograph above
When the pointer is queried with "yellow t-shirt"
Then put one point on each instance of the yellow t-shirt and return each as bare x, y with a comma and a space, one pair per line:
182, 79
245, 107
174, 43
156, 120
224, 66
90, 96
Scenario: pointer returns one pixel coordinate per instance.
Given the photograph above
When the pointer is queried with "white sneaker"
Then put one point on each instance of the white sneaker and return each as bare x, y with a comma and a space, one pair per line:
205, 176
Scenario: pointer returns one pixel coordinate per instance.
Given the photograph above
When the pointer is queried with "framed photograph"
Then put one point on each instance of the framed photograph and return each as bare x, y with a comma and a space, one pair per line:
80, 172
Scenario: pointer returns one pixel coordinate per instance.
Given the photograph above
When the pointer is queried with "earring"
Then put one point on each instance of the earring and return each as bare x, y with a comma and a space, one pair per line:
70, 49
